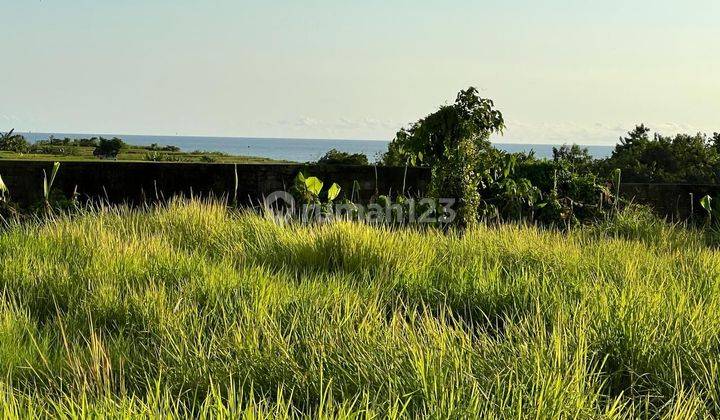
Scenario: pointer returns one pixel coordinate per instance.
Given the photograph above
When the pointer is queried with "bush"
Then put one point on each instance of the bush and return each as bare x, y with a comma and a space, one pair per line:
45, 149
336, 157
682, 158
11, 142
163, 157
207, 159
168, 148
109, 148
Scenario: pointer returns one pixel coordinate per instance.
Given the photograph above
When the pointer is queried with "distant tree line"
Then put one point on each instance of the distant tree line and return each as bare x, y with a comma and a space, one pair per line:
102, 147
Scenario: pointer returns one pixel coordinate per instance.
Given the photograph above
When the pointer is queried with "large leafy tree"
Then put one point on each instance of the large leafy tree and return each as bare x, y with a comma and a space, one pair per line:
428, 141
452, 141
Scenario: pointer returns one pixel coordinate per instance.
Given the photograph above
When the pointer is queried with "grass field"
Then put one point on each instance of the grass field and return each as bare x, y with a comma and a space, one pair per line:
193, 310
137, 153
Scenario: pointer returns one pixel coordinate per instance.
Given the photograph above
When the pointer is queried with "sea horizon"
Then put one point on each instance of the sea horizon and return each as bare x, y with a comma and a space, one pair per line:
294, 149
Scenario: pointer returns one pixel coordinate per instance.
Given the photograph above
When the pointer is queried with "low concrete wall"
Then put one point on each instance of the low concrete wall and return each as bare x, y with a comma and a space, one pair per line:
675, 201
135, 182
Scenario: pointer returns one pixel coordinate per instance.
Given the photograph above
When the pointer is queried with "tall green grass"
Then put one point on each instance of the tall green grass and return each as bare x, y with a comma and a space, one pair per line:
192, 310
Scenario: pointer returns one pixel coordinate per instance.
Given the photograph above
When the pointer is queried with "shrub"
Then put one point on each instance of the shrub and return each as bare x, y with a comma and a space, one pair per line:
47, 149
163, 157
11, 142
336, 157
109, 148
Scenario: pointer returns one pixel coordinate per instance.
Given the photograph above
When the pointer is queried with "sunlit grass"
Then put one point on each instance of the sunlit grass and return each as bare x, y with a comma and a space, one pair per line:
191, 310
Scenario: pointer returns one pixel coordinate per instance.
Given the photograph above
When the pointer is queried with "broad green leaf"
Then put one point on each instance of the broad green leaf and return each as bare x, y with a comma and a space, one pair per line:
384, 201
3, 187
314, 185
706, 203
333, 192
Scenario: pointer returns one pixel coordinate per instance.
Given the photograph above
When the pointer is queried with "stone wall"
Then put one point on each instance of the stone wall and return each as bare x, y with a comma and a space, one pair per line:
136, 182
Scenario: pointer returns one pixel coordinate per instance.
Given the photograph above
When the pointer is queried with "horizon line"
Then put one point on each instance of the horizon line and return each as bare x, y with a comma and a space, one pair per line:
119, 135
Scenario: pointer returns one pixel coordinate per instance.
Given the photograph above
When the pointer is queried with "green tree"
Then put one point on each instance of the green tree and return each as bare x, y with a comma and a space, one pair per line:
680, 158
12, 142
109, 148
574, 158
452, 141
336, 157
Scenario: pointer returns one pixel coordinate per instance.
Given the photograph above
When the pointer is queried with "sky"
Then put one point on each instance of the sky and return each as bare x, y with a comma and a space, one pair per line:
560, 71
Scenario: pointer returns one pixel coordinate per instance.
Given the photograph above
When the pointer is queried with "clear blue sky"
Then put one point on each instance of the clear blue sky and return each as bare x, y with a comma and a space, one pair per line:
582, 71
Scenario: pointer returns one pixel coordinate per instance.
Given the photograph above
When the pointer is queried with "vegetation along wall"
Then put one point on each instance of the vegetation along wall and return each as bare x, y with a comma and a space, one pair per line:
137, 182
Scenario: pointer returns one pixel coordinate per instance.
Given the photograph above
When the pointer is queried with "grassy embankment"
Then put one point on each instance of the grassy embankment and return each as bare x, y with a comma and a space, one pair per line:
191, 310
137, 153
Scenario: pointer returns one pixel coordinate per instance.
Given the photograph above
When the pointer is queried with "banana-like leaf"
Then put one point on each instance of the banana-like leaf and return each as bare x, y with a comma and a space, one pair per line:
333, 192
706, 203
47, 185
56, 168
3, 188
314, 185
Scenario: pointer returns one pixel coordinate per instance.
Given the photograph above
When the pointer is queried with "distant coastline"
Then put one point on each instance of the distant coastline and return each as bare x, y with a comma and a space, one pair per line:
290, 149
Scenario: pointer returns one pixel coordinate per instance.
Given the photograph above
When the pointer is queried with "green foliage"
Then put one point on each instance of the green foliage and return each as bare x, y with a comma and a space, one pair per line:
48, 184
11, 142
309, 190
573, 158
191, 311
208, 159
333, 192
68, 142
46, 149
164, 157
336, 157
109, 148
711, 205
452, 142
681, 158
521, 187
4, 191
706, 203
157, 148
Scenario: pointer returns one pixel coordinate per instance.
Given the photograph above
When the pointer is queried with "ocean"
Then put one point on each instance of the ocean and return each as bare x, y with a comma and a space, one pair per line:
296, 150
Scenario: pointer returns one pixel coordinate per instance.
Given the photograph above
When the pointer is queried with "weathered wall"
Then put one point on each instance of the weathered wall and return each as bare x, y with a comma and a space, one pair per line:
138, 181
676, 201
